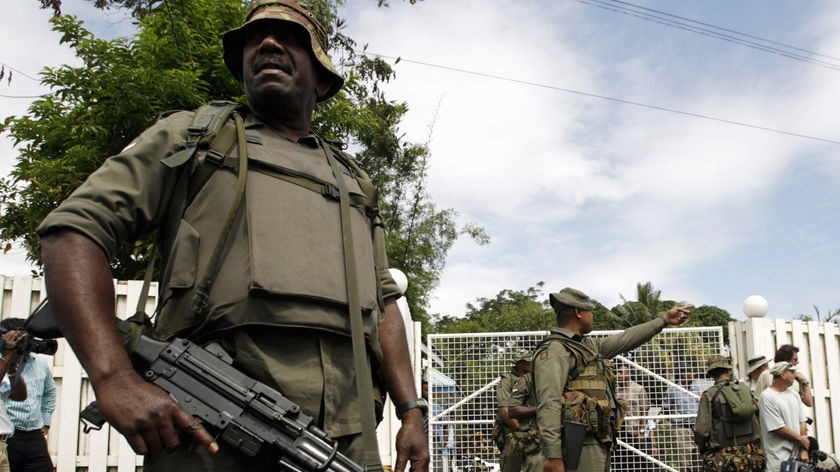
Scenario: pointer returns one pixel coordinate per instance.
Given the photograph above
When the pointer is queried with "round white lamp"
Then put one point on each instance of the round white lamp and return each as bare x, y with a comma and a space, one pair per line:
755, 306
400, 278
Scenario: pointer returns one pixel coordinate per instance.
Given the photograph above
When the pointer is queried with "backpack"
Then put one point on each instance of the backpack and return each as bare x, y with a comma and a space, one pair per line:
739, 400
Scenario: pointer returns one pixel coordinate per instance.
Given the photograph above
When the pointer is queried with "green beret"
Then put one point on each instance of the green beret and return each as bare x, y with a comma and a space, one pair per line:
571, 297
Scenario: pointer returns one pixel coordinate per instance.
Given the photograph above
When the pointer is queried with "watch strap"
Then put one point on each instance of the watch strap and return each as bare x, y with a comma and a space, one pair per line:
411, 404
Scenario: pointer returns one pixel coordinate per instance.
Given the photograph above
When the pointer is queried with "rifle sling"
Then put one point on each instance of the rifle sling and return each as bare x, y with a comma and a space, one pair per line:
364, 382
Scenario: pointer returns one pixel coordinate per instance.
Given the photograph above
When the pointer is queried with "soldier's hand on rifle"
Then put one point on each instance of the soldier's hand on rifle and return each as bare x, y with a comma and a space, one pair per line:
147, 416
678, 314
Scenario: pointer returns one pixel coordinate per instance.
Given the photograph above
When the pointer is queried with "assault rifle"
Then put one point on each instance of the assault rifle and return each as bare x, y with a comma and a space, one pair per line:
249, 414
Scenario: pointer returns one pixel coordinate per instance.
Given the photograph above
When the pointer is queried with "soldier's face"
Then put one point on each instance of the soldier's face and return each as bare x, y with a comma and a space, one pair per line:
278, 68
587, 320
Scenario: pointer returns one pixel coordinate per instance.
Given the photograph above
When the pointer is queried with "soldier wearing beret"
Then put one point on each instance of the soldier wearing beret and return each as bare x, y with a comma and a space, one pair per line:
275, 267
571, 370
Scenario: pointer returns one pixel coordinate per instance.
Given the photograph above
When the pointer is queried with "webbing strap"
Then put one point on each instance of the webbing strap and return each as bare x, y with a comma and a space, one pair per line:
364, 381
199, 302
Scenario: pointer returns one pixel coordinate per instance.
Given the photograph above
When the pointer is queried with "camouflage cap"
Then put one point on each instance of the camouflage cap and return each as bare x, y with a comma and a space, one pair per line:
571, 297
288, 11
522, 355
718, 362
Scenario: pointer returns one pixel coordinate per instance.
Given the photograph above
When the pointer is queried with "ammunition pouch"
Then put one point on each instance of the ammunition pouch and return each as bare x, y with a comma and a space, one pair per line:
498, 435
526, 441
599, 416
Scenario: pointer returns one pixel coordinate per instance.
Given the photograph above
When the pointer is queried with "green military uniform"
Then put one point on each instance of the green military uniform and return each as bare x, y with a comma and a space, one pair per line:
509, 461
526, 440
285, 324
727, 443
552, 365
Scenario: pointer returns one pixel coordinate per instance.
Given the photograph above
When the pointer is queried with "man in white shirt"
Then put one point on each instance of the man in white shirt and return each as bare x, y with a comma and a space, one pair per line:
755, 367
783, 427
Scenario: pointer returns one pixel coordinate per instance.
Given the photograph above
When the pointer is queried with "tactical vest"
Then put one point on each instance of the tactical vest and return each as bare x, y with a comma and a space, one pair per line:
589, 395
283, 262
726, 430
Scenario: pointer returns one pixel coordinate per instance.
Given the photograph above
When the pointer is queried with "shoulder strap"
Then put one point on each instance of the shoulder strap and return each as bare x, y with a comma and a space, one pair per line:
364, 382
582, 353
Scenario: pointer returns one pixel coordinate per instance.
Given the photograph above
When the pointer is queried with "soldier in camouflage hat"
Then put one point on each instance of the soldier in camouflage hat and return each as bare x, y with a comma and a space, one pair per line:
727, 432
511, 459
286, 325
574, 381
261, 14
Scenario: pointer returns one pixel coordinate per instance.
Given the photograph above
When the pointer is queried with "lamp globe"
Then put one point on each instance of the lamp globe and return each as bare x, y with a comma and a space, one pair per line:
755, 306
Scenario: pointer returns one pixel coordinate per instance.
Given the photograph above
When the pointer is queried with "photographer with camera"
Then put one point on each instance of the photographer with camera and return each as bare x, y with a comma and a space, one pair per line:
11, 386
27, 449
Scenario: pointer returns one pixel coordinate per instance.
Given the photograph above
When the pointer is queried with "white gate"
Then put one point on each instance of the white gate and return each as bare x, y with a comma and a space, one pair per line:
475, 361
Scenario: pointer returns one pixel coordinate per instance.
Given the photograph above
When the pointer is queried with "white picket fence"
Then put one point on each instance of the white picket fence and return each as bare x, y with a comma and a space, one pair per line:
819, 358
107, 451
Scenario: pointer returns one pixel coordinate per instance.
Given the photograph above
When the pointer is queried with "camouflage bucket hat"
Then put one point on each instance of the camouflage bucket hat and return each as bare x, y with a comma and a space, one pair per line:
522, 356
718, 362
571, 297
281, 10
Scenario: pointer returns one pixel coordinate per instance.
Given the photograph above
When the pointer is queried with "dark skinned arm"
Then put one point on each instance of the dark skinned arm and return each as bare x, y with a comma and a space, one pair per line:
81, 290
520, 412
412, 444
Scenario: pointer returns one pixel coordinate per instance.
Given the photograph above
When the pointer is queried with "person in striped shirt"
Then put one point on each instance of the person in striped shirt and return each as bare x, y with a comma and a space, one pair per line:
27, 448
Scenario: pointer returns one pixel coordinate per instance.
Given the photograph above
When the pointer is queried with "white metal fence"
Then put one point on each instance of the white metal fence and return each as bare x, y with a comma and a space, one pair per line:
473, 364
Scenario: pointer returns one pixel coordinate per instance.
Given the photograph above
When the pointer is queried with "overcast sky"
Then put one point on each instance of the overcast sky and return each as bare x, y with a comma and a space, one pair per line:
550, 127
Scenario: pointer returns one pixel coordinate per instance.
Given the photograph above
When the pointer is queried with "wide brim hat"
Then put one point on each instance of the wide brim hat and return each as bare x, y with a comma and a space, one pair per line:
571, 297
287, 11
718, 362
755, 363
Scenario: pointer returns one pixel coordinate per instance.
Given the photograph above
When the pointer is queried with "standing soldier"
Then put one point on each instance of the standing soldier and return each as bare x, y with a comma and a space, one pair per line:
527, 438
511, 461
271, 247
727, 430
574, 383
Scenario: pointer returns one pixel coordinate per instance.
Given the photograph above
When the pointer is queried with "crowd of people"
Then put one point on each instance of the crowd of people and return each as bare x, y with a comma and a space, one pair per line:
558, 406
322, 326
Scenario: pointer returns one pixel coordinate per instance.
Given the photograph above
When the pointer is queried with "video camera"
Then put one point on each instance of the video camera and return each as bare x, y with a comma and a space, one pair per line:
31, 344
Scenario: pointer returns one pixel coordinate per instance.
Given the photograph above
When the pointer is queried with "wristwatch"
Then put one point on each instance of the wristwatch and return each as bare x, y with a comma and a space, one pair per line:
420, 403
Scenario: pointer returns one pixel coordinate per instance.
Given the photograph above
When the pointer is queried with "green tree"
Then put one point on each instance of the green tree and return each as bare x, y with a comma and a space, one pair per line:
174, 63
509, 310
831, 316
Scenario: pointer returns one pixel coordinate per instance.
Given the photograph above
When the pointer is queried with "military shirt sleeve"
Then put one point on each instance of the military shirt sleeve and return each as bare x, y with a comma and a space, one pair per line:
519, 392
551, 371
703, 425
129, 194
504, 391
630, 339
